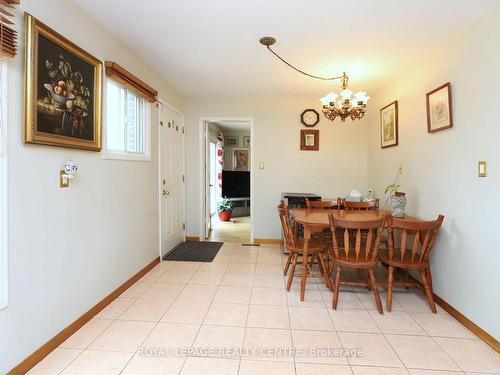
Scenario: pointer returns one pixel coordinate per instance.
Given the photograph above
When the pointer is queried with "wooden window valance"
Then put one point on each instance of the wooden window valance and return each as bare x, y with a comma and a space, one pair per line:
130, 81
8, 35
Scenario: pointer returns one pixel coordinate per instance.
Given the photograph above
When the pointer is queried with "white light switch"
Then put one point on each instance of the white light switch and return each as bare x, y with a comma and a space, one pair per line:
481, 168
261, 165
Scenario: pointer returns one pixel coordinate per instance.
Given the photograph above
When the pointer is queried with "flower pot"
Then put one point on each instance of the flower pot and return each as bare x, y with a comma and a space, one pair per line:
225, 215
398, 204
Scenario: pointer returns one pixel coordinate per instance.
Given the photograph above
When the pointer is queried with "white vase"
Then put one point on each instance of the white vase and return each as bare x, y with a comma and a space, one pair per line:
398, 204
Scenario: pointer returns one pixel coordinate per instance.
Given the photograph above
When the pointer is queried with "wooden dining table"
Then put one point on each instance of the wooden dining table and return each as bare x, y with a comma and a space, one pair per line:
317, 220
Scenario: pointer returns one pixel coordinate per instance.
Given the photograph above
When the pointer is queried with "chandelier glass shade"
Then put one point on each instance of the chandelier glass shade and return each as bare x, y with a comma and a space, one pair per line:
348, 105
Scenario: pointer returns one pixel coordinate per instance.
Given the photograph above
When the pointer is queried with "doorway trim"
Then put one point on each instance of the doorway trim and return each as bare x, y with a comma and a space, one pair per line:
161, 102
202, 162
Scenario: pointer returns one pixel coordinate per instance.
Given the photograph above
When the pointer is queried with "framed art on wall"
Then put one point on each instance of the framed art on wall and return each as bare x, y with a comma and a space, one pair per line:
309, 140
241, 159
389, 125
231, 141
439, 115
62, 90
246, 141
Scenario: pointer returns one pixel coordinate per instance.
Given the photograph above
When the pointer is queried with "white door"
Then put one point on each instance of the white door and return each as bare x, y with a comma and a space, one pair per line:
213, 178
171, 179
208, 217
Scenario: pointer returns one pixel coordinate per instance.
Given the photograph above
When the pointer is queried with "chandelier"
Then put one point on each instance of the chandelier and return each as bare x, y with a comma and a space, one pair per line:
348, 105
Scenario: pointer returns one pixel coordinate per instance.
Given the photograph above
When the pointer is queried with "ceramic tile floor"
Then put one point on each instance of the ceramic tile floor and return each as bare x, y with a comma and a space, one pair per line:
239, 301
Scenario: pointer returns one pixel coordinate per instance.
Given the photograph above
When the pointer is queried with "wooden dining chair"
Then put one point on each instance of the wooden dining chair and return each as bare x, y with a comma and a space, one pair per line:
410, 251
320, 204
316, 251
370, 205
356, 251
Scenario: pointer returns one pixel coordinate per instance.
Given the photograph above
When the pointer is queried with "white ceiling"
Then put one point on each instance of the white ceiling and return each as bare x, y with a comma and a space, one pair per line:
210, 48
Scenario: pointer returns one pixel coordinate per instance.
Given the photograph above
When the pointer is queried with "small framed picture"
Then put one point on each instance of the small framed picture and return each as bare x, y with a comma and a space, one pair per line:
231, 141
246, 141
439, 116
309, 139
389, 125
241, 159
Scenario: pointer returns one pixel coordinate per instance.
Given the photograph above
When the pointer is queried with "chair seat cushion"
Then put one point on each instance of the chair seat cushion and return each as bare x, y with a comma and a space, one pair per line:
395, 259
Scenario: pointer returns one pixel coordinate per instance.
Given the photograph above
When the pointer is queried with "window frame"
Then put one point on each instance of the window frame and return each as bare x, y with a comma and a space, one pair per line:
4, 272
117, 155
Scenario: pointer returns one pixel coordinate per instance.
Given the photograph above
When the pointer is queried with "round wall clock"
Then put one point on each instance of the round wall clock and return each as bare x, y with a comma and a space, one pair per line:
309, 118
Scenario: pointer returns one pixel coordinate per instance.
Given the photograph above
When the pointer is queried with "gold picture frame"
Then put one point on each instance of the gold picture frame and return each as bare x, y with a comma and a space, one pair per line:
389, 125
63, 90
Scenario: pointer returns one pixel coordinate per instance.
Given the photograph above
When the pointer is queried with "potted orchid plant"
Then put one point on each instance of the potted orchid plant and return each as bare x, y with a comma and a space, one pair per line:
397, 198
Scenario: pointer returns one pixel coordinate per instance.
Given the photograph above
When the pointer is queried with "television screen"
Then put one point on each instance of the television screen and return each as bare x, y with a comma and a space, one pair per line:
236, 184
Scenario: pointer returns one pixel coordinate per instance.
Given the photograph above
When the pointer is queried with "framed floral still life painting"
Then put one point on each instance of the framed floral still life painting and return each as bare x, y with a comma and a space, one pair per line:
241, 159
389, 125
439, 116
62, 90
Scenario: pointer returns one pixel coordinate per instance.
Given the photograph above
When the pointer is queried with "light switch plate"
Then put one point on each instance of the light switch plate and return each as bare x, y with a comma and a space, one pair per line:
481, 168
261, 165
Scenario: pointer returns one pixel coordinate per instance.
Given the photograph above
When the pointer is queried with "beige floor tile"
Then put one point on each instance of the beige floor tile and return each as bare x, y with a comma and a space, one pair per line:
185, 266
441, 325
171, 336
264, 316
312, 298
165, 265
140, 365
421, 352
268, 281
136, 290
351, 320
222, 258
153, 275
397, 322
97, 362
265, 368
310, 343
213, 267
82, 338
261, 341
368, 300
269, 269
55, 362
237, 279
206, 278
367, 370
241, 268
146, 309
233, 294
436, 372
471, 355
210, 366
269, 296
198, 293
414, 302
123, 336
115, 308
376, 351
164, 291
321, 369
310, 318
227, 314
176, 276
270, 259
243, 258
347, 299
191, 312
220, 337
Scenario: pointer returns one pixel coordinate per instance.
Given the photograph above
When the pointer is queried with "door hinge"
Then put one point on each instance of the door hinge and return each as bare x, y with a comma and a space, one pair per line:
183, 130
183, 178
183, 225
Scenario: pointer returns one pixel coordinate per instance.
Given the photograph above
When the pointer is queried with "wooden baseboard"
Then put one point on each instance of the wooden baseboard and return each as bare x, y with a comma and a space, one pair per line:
192, 238
267, 241
58, 339
466, 322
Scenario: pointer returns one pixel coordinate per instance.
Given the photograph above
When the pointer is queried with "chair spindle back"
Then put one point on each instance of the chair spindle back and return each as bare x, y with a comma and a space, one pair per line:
286, 226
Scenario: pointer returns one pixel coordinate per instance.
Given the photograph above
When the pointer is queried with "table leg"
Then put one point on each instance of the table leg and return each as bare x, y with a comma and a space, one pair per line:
305, 256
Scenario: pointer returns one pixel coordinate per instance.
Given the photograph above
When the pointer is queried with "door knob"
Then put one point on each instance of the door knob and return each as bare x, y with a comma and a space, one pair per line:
165, 192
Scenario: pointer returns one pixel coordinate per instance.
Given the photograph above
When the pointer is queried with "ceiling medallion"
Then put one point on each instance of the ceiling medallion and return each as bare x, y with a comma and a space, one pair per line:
348, 105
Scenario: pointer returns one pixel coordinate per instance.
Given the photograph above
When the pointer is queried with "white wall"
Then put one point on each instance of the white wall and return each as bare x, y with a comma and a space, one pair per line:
440, 169
337, 168
65, 243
